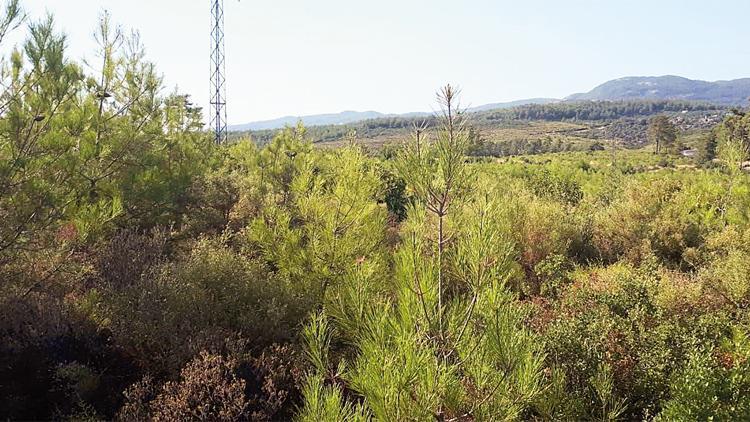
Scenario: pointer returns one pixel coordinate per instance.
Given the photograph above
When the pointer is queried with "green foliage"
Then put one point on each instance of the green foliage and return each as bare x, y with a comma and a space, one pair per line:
597, 110
603, 384
733, 144
395, 198
565, 190
511, 147
662, 133
438, 176
669, 216
712, 385
327, 219
448, 340
90, 151
325, 403
729, 276
214, 292
150, 274
708, 146
626, 120
643, 325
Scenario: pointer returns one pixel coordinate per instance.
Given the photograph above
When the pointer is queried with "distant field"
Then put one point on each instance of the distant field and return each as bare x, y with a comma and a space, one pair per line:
532, 129
513, 131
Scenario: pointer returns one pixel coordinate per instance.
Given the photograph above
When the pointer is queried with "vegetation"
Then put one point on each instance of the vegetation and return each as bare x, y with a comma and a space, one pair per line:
598, 110
623, 121
148, 274
662, 133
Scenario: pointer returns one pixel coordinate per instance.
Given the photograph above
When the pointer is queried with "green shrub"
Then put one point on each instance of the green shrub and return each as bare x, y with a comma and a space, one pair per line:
713, 385
198, 301
621, 317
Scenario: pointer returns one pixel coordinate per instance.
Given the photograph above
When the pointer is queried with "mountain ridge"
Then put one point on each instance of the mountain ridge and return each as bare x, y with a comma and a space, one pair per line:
350, 116
669, 87
734, 92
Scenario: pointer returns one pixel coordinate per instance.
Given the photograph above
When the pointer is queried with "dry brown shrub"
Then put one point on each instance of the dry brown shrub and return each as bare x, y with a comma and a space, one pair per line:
208, 389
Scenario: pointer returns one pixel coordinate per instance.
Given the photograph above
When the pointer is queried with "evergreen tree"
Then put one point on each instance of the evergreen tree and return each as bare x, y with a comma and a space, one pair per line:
446, 340
708, 147
662, 133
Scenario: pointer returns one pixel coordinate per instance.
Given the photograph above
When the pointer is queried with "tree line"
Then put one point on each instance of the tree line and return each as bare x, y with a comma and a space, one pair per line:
599, 110
563, 111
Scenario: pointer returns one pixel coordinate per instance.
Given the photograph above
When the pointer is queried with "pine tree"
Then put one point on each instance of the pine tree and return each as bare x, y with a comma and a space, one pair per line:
662, 133
443, 337
437, 173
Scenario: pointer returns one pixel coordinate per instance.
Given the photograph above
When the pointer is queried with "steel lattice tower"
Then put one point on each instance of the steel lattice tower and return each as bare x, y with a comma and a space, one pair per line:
218, 111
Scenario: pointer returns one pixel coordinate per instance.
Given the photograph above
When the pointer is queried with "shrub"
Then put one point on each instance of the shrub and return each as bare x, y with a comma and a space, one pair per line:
59, 362
713, 385
544, 233
208, 389
622, 317
668, 217
129, 255
274, 382
556, 186
729, 277
196, 303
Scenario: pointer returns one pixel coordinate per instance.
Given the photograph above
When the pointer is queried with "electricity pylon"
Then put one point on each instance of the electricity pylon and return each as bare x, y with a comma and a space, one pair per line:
218, 110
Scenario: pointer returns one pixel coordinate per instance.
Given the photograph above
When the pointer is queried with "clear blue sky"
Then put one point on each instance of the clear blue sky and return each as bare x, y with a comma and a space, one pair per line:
298, 57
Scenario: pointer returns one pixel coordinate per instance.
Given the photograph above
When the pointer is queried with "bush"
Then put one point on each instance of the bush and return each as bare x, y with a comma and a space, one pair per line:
60, 363
547, 184
668, 217
198, 301
713, 385
274, 381
621, 317
208, 389
544, 233
729, 278
128, 256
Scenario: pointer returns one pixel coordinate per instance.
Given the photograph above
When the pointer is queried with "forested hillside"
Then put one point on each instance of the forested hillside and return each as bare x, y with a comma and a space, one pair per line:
731, 93
518, 130
147, 273
624, 97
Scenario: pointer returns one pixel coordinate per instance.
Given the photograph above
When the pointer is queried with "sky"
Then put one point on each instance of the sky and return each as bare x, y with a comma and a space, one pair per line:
301, 57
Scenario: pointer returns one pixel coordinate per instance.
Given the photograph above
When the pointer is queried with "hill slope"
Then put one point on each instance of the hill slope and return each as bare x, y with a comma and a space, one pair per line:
734, 92
358, 116
726, 93
314, 120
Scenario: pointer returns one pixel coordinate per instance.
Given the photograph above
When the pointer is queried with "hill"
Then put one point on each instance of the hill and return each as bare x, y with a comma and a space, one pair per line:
731, 93
581, 123
347, 117
313, 120
725, 93
511, 104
